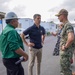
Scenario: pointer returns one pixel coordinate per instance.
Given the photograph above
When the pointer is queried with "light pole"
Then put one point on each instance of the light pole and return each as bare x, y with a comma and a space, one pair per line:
2, 15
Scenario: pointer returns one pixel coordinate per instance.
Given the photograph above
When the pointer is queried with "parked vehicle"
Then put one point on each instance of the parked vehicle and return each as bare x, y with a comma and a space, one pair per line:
20, 31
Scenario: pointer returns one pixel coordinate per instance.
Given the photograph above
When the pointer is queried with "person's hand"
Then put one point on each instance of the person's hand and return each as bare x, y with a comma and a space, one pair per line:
26, 57
31, 44
42, 42
51, 33
54, 34
63, 48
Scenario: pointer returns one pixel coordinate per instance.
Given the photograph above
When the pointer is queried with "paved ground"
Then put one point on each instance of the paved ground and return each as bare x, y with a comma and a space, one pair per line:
50, 64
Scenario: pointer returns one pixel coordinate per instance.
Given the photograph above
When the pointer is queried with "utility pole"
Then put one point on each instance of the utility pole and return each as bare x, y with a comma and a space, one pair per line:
2, 15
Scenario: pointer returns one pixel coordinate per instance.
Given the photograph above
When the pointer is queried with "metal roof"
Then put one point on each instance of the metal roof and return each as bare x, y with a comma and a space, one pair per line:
2, 14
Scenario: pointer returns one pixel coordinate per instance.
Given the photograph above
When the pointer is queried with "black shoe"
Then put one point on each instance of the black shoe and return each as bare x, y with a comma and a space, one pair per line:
53, 53
57, 53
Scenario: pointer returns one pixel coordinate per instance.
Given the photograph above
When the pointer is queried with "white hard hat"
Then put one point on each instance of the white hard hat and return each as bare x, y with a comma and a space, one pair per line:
10, 15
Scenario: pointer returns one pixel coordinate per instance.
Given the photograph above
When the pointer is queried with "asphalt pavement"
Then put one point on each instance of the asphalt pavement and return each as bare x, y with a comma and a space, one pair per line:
50, 64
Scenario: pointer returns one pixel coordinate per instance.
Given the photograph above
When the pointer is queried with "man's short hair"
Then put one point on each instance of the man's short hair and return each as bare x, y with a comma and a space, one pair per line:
8, 21
35, 15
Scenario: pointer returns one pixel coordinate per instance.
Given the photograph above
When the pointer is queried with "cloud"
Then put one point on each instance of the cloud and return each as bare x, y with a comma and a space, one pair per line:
72, 15
68, 5
4, 5
20, 11
3, 1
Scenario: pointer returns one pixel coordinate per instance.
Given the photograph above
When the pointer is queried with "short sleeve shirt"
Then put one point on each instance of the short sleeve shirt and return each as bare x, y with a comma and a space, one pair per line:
35, 34
64, 34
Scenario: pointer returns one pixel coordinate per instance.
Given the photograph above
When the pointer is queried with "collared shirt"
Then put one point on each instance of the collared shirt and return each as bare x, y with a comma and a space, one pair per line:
10, 41
35, 34
64, 33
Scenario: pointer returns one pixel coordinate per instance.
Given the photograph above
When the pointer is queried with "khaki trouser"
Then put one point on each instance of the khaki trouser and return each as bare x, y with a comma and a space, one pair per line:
34, 54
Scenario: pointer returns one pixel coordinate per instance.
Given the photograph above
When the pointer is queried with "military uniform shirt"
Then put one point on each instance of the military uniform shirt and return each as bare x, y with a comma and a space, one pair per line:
67, 54
64, 33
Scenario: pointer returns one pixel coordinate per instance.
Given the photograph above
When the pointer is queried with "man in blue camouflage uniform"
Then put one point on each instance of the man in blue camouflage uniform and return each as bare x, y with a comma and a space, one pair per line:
66, 43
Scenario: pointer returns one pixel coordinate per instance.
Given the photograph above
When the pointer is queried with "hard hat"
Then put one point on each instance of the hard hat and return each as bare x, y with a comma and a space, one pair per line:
11, 15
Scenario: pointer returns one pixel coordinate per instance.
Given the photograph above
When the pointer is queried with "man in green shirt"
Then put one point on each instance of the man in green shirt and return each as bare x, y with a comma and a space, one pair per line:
11, 46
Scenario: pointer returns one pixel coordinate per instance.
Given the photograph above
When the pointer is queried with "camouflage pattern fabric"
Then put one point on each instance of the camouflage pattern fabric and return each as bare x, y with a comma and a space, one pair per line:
66, 55
56, 49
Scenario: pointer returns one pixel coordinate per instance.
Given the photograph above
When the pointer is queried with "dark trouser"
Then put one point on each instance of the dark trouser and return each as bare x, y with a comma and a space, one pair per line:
12, 68
56, 49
